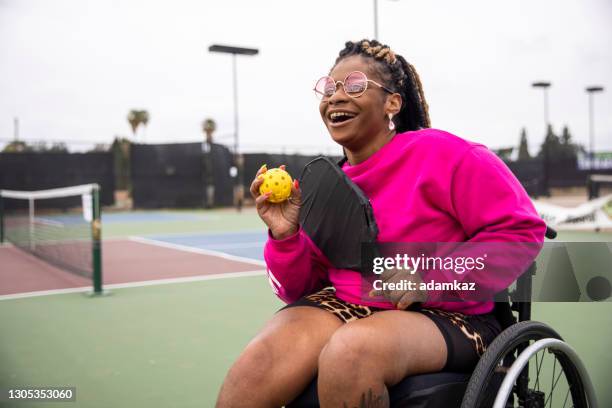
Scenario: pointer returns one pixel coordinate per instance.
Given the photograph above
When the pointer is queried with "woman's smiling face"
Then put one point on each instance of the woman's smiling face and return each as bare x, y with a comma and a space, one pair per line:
368, 112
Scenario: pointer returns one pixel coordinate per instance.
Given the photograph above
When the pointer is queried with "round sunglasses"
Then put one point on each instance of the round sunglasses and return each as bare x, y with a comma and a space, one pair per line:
354, 85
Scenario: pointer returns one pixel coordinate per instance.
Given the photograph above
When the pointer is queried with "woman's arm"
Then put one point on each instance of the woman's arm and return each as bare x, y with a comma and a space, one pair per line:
490, 203
295, 266
498, 218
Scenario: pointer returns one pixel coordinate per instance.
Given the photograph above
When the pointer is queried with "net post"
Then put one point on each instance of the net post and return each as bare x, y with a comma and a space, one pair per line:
32, 242
96, 234
1, 219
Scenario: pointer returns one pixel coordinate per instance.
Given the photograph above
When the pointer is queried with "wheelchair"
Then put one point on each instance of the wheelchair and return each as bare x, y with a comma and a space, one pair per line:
523, 367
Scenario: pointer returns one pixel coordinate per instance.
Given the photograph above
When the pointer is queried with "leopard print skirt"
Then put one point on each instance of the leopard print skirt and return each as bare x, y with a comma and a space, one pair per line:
466, 336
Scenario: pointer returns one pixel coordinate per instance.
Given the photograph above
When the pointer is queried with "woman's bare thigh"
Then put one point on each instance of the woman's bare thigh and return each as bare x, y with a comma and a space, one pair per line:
398, 343
280, 360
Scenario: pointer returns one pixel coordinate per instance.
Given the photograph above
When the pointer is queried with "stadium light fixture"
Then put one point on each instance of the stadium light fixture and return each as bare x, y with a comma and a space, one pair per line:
592, 90
545, 85
228, 49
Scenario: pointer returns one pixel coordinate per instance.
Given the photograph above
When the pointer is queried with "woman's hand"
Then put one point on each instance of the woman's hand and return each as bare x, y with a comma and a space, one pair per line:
281, 218
401, 299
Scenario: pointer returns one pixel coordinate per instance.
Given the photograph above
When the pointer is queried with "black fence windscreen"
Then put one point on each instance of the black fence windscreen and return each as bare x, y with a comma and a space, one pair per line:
41, 171
175, 175
295, 164
538, 176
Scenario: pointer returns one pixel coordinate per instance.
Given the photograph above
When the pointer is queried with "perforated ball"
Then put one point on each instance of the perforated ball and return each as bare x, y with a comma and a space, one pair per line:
278, 182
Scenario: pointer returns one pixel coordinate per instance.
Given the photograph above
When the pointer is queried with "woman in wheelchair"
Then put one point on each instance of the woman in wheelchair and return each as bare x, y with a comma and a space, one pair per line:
424, 185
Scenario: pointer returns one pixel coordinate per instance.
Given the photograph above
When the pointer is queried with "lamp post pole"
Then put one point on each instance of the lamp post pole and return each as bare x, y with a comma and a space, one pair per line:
544, 85
592, 90
546, 159
234, 51
376, 19
235, 87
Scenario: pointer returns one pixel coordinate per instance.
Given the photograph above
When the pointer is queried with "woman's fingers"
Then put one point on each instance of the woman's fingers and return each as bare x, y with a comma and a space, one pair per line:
389, 274
401, 298
262, 169
255, 186
254, 189
296, 193
377, 293
261, 200
405, 301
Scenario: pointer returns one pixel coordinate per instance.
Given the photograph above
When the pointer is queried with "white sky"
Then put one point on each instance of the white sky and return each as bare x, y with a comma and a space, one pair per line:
72, 69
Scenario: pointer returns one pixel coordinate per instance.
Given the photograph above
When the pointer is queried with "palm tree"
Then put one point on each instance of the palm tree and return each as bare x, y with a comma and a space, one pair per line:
136, 118
209, 126
144, 120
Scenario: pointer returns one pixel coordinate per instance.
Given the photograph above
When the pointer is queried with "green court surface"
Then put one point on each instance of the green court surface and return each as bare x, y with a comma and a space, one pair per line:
170, 345
212, 221
154, 346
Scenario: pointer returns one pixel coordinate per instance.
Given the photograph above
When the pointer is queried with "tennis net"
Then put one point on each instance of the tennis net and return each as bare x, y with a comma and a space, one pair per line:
61, 226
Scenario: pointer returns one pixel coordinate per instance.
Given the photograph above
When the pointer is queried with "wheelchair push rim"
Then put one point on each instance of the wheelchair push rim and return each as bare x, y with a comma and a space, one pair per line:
568, 359
530, 392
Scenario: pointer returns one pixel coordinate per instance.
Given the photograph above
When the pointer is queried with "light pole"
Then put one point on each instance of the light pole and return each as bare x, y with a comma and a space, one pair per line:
226, 49
16, 128
234, 51
545, 85
376, 19
591, 90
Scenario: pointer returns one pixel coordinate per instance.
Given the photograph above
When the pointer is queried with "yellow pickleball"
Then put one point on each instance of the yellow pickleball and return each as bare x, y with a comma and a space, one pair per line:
278, 182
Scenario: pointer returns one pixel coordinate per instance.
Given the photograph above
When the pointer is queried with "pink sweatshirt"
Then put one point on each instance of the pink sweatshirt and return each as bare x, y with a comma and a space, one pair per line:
424, 186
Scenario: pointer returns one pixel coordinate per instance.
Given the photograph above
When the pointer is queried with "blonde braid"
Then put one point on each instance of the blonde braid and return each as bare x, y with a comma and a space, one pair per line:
417, 81
400, 76
379, 52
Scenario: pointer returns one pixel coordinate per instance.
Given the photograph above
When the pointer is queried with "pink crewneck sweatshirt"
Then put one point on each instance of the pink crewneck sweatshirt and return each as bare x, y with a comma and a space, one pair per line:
424, 186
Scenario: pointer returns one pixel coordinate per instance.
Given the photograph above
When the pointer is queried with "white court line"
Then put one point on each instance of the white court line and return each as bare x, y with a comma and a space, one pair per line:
48, 221
136, 284
239, 245
205, 233
196, 250
112, 239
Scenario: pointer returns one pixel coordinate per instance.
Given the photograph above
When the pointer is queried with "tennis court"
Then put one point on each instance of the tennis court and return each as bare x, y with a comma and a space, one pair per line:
187, 292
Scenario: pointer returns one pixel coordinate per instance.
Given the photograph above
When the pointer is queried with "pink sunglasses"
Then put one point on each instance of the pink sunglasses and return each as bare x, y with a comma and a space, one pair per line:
354, 85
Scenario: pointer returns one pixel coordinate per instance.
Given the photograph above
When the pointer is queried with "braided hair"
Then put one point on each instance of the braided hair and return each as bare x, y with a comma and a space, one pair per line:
399, 76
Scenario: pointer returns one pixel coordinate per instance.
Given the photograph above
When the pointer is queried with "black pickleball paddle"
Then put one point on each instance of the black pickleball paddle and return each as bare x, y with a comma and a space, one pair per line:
336, 214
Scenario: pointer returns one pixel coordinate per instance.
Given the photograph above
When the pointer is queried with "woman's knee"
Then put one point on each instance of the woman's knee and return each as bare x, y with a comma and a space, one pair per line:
292, 339
276, 344
350, 350
276, 365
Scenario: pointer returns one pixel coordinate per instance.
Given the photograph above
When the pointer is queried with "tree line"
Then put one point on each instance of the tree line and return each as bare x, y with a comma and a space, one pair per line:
555, 147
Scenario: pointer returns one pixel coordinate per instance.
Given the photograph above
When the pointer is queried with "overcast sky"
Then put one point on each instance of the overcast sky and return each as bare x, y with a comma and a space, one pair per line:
71, 70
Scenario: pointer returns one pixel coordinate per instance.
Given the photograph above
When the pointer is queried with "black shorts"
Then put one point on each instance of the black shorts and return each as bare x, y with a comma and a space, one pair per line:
466, 336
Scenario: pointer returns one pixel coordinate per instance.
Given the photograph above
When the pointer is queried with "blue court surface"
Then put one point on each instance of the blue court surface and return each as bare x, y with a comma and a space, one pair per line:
243, 244
144, 216
156, 216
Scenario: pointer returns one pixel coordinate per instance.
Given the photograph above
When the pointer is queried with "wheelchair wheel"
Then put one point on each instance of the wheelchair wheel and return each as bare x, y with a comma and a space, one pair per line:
550, 373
